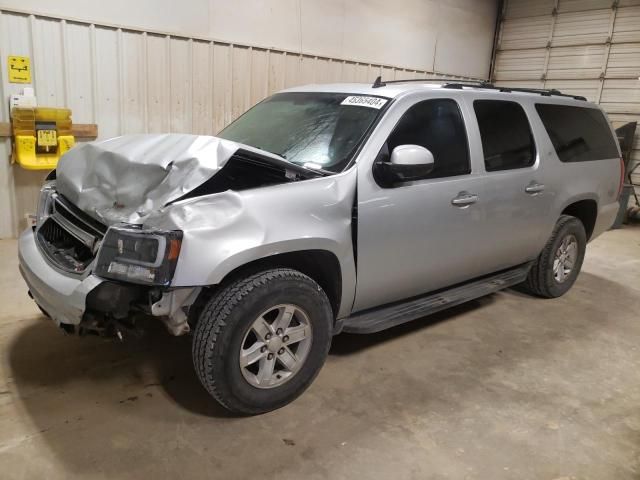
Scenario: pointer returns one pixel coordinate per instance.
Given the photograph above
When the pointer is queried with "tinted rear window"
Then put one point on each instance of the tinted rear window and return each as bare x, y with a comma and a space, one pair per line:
507, 141
578, 134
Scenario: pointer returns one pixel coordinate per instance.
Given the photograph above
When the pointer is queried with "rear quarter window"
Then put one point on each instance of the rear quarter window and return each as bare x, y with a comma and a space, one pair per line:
578, 134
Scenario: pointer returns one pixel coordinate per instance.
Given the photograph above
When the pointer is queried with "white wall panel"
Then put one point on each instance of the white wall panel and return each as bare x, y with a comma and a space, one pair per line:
181, 84
575, 62
624, 60
627, 28
202, 100
528, 32
132, 81
454, 36
158, 81
222, 85
621, 96
190, 17
528, 8
277, 67
582, 5
46, 36
520, 64
241, 79
107, 66
259, 77
594, 51
79, 78
581, 28
461, 45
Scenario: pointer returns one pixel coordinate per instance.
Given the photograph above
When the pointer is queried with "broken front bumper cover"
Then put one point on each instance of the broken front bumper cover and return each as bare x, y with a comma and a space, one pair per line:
61, 296
80, 301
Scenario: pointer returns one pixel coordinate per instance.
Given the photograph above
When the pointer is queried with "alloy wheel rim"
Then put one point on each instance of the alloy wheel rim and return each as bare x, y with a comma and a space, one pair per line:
565, 258
275, 346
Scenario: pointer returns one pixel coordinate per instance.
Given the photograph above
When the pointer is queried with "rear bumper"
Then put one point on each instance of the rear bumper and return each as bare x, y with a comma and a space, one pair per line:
62, 297
606, 217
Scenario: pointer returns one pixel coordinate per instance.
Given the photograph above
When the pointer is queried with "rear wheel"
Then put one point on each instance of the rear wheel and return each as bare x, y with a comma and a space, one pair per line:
558, 265
260, 341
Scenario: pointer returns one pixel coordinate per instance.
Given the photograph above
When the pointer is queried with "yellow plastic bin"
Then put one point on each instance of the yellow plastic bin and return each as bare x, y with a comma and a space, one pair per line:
41, 136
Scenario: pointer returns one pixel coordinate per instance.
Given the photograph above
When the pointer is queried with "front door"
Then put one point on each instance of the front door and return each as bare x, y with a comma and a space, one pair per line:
420, 236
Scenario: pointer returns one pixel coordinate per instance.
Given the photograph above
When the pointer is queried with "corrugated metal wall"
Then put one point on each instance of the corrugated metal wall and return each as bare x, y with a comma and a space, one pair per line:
130, 81
583, 47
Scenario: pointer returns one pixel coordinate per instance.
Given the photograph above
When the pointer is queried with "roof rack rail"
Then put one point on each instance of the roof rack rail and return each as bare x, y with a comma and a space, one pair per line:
459, 84
546, 92
381, 83
541, 91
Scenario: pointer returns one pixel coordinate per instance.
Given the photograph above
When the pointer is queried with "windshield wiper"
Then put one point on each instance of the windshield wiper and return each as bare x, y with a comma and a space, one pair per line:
284, 163
322, 171
319, 170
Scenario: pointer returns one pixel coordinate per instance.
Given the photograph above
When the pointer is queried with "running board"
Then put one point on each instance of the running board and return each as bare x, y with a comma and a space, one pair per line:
381, 318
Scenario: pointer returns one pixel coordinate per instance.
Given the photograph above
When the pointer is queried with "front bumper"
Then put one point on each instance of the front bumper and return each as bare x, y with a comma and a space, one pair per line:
61, 296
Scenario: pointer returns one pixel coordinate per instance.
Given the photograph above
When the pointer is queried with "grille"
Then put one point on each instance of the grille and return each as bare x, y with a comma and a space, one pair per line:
69, 237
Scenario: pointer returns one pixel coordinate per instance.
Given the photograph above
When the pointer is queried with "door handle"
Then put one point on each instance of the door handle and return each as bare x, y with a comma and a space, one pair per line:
464, 199
534, 188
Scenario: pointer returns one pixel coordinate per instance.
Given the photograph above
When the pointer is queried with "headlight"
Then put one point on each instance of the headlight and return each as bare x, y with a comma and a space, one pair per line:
138, 256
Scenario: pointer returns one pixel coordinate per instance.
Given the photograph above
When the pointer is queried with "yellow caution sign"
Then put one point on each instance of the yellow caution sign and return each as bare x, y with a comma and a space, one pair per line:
19, 69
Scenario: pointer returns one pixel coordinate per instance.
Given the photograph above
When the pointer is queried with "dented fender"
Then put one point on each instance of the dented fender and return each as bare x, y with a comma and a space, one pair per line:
224, 231
233, 203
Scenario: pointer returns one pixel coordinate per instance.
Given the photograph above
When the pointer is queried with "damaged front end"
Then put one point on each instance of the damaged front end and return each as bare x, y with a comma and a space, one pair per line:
100, 257
139, 266
113, 309
97, 279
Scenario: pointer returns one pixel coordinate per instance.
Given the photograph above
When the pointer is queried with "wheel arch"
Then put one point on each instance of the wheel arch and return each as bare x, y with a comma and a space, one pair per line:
585, 210
322, 266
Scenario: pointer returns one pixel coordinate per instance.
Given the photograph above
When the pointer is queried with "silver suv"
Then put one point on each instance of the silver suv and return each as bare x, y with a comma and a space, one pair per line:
323, 209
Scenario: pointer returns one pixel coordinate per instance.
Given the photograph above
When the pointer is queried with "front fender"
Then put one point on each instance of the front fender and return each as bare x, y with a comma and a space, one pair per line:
227, 230
260, 252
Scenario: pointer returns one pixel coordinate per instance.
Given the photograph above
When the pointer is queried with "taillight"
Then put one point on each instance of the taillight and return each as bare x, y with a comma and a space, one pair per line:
621, 178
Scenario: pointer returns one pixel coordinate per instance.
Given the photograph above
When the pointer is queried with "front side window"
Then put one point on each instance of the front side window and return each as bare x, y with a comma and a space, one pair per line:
438, 126
312, 129
507, 141
578, 134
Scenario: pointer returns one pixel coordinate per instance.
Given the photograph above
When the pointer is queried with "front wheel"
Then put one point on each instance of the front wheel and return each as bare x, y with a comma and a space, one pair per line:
261, 340
556, 268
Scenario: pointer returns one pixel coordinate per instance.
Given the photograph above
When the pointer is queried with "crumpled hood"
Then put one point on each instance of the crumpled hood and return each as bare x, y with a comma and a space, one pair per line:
124, 179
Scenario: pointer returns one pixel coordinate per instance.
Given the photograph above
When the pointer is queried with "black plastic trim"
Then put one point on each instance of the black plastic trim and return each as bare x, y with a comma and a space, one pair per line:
390, 315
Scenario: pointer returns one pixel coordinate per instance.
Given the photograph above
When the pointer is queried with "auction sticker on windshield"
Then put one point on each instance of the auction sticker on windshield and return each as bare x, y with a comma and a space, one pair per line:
363, 101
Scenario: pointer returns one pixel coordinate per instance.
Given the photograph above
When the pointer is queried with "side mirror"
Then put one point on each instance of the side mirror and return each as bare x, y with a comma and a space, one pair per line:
407, 163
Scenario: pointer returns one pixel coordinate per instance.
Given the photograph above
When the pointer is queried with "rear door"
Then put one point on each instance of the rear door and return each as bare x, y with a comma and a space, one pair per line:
516, 198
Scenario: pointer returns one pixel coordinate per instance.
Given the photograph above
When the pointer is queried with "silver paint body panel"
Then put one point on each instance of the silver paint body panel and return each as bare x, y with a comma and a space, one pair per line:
226, 230
410, 239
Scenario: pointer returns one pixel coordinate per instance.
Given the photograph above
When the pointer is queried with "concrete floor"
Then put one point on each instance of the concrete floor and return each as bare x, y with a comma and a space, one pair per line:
507, 387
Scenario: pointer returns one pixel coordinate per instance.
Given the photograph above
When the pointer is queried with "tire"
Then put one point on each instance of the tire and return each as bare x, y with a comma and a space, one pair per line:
542, 280
226, 330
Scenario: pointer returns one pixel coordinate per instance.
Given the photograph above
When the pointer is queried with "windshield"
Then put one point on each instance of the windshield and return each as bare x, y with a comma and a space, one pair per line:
316, 130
